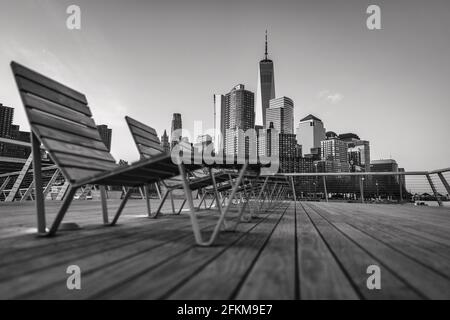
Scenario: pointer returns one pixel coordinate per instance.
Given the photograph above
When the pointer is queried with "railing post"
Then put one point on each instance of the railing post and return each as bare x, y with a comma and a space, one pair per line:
434, 190
444, 182
400, 183
361, 188
325, 188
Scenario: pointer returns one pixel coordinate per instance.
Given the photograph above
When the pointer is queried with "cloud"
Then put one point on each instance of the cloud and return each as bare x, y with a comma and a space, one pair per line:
330, 97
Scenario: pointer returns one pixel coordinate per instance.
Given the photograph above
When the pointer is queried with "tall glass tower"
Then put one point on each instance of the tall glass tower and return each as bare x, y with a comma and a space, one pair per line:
266, 88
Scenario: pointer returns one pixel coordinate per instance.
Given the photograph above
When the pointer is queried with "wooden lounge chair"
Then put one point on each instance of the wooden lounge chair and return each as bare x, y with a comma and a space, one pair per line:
148, 145
61, 120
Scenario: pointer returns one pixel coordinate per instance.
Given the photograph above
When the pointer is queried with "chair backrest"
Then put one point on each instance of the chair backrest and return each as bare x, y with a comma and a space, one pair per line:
62, 121
145, 138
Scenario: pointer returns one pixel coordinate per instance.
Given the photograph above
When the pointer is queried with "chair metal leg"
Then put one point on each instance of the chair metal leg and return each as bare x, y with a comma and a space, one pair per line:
147, 200
62, 211
103, 197
192, 213
161, 204
122, 205
182, 205
202, 200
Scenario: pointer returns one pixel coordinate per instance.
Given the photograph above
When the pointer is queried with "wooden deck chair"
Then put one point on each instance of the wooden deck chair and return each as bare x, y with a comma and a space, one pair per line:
61, 120
148, 145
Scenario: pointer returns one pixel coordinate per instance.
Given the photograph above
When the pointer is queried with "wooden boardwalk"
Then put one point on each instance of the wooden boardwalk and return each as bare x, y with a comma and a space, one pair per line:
305, 251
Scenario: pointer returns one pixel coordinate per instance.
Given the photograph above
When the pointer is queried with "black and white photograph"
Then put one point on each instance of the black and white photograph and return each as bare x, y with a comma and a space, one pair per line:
224, 156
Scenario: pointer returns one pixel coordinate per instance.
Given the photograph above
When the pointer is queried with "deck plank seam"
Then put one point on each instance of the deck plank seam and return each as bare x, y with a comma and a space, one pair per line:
31, 293
339, 263
204, 265
393, 272
238, 287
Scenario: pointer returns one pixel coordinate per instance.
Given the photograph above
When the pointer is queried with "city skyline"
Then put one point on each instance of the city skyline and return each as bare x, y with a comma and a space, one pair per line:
343, 73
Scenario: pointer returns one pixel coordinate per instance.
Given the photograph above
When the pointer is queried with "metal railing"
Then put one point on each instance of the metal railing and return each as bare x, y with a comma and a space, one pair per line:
421, 187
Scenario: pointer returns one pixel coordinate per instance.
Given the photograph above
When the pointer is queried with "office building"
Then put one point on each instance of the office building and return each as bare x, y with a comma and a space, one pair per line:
165, 142
310, 132
266, 87
281, 114
220, 122
6, 119
287, 143
239, 117
334, 149
175, 134
106, 135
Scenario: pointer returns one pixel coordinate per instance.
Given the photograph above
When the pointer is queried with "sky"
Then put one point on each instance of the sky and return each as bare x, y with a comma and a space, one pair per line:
149, 59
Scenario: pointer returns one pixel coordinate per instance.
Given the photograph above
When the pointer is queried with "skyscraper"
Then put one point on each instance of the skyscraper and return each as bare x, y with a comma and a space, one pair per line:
239, 115
287, 152
281, 114
219, 122
6, 118
176, 125
310, 132
266, 88
334, 150
356, 145
106, 135
165, 142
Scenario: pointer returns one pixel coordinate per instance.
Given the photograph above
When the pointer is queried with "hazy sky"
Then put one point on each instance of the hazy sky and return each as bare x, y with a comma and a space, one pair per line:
149, 59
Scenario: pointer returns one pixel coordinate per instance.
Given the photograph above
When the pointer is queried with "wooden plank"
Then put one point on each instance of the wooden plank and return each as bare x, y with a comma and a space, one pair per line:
22, 71
424, 280
49, 121
220, 278
355, 261
163, 278
80, 249
81, 151
431, 254
404, 221
48, 284
147, 143
76, 174
145, 134
320, 275
134, 123
27, 86
50, 107
63, 136
273, 277
105, 271
149, 152
74, 161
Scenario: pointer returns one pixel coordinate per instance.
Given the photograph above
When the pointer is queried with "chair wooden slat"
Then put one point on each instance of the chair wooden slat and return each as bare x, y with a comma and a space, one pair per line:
47, 120
66, 147
148, 143
134, 123
57, 110
144, 134
63, 136
69, 160
49, 83
28, 86
149, 152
